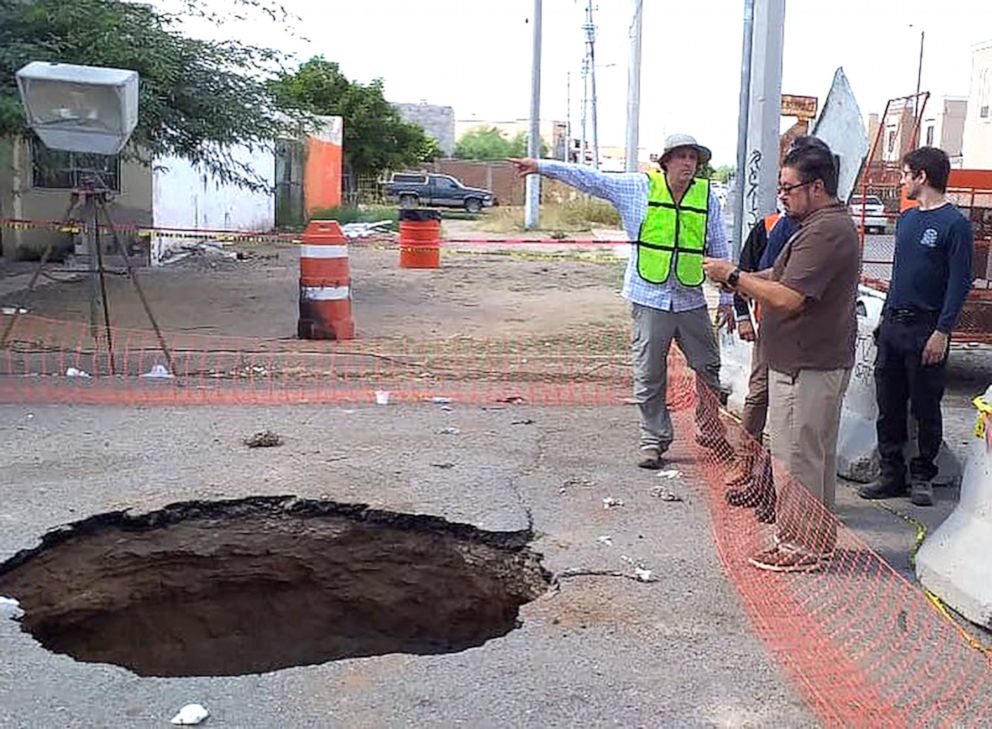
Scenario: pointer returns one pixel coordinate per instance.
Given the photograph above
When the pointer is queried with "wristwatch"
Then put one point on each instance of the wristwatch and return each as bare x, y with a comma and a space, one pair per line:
734, 278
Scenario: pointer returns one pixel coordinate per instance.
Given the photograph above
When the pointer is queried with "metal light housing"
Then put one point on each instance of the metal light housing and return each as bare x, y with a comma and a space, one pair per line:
73, 108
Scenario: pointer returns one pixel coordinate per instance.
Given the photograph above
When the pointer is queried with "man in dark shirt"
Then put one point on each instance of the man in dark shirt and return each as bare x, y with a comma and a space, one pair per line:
931, 277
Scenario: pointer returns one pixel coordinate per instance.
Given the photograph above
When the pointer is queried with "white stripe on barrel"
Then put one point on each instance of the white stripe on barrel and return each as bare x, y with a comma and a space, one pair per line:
312, 251
326, 293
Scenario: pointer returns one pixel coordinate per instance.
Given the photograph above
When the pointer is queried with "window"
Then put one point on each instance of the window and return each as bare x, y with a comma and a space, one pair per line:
930, 136
892, 140
983, 112
58, 170
445, 183
416, 179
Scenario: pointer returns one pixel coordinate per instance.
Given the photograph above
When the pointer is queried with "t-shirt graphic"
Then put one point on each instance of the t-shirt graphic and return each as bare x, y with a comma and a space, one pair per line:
929, 238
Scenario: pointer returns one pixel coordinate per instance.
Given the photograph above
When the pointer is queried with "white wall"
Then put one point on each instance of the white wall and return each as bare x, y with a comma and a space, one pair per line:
978, 123
185, 196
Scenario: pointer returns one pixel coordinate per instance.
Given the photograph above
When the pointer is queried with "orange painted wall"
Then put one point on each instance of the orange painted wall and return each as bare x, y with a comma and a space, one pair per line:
322, 171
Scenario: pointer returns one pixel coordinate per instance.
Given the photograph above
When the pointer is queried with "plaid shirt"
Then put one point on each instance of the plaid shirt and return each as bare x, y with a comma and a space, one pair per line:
628, 192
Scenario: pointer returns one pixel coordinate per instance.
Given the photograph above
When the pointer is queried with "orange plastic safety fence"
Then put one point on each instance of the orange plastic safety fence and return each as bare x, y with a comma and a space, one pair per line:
866, 647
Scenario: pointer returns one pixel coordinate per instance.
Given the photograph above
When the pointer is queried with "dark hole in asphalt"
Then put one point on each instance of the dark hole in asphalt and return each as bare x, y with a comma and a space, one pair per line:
236, 587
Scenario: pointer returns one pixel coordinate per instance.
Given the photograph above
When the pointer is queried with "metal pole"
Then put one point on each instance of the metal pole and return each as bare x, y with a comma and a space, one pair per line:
634, 89
590, 29
919, 77
595, 123
585, 108
742, 119
103, 289
759, 179
568, 116
533, 183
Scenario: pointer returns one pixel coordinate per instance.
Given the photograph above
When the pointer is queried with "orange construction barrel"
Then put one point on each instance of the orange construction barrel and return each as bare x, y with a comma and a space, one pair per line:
420, 238
325, 283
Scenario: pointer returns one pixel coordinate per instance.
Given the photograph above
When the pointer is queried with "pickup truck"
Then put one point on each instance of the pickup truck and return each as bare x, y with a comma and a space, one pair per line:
413, 189
875, 219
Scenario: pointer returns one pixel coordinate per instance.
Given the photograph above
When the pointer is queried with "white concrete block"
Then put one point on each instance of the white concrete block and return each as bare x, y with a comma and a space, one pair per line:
954, 561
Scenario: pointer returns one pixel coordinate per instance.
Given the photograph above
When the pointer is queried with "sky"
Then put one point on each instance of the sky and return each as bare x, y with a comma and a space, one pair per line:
475, 55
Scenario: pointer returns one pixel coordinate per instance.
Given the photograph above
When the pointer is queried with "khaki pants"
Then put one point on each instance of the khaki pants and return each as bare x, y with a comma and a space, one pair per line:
755, 413
653, 331
804, 416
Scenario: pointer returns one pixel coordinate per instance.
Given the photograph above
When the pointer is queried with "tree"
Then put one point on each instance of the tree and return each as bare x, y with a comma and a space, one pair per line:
723, 173
376, 138
705, 170
483, 143
489, 144
197, 99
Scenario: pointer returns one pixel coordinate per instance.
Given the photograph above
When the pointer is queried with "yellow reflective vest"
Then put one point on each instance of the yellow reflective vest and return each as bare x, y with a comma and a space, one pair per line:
674, 231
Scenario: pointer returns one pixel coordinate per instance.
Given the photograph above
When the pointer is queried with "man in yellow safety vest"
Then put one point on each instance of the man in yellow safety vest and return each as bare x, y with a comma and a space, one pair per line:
673, 219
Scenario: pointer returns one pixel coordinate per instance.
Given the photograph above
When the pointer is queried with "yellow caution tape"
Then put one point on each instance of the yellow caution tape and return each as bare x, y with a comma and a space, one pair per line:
921, 534
145, 232
984, 415
971, 640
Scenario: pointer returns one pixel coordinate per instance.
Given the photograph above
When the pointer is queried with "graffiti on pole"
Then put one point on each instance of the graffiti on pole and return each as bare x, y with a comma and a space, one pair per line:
751, 203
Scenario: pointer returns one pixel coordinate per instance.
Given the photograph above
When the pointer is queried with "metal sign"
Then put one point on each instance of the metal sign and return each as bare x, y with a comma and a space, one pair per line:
803, 107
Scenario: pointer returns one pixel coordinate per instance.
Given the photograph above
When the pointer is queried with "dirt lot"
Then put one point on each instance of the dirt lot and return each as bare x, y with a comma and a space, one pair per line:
479, 292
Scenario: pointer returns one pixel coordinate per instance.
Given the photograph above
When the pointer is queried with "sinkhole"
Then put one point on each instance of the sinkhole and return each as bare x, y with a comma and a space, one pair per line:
253, 585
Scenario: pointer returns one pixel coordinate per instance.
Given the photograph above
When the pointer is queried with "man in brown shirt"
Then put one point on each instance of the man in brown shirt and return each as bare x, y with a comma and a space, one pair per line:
809, 331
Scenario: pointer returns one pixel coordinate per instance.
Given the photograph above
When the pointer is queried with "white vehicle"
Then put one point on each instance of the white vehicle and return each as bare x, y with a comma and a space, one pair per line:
874, 212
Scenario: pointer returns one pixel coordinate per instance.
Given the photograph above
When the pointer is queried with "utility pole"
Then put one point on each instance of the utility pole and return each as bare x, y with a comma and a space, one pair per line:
590, 29
919, 77
742, 111
585, 108
568, 115
533, 182
758, 179
634, 89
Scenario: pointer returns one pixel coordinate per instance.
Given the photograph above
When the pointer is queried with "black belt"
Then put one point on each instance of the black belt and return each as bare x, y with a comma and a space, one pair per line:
909, 316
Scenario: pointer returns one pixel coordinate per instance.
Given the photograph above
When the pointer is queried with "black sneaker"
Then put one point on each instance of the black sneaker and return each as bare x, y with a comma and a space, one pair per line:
921, 492
882, 490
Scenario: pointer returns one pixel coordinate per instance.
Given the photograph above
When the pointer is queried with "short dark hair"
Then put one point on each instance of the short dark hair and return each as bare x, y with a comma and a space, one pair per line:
934, 162
805, 141
814, 162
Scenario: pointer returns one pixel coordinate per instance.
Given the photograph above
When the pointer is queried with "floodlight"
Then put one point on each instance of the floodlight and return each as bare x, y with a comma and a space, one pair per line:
80, 108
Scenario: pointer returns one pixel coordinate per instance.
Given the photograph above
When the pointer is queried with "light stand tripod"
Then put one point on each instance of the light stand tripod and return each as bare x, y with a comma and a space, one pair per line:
93, 193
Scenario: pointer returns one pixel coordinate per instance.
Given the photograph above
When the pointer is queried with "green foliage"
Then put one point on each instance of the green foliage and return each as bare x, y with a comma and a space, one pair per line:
375, 136
490, 144
589, 210
723, 173
197, 98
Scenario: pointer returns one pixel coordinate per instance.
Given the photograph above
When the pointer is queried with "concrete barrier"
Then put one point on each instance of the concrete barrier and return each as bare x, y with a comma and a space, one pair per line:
857, 442
857, 458
954, 561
